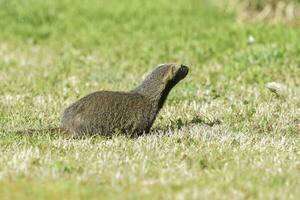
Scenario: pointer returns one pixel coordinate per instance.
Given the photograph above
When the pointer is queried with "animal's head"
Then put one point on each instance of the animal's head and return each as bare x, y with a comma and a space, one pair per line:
160, 81
168, 75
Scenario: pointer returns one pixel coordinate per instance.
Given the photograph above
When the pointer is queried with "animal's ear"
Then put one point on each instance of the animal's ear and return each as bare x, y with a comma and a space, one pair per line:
170, 73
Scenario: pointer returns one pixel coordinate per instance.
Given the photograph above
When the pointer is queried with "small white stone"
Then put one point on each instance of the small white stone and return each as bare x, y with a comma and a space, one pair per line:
251, 39
277, 88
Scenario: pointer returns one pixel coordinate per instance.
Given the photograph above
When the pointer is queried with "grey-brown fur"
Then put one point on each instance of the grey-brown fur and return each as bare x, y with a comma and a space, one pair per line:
133, 113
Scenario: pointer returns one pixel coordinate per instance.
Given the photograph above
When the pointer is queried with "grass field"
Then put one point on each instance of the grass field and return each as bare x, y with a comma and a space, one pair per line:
54, 51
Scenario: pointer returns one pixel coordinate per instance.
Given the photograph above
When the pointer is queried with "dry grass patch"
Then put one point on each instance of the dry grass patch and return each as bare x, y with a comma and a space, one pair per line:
282, 11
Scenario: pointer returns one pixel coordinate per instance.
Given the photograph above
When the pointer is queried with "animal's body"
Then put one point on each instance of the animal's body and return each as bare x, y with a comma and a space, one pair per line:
133, 113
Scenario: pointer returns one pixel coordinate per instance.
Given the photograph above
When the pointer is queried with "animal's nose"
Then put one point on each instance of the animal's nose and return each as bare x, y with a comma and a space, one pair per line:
184, 69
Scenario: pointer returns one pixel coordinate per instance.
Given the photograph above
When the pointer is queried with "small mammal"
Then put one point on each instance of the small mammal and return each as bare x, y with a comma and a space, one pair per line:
133, 112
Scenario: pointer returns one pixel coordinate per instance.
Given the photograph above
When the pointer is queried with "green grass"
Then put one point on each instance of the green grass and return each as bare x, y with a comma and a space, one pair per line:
53, 52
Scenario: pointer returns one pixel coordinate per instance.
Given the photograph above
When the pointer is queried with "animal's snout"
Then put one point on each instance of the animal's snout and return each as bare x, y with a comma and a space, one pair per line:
184, 66
184, 69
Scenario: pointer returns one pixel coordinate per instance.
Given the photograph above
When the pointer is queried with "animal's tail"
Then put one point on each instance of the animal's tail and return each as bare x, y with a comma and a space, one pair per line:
42, 131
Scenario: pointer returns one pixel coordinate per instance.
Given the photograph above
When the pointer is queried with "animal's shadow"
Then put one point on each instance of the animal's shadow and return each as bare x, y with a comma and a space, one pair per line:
179, 124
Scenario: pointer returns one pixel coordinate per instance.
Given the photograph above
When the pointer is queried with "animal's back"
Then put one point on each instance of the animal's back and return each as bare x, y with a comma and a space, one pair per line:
104, 112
